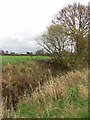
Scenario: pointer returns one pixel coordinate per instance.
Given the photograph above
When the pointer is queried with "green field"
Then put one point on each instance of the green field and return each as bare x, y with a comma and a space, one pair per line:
17, 60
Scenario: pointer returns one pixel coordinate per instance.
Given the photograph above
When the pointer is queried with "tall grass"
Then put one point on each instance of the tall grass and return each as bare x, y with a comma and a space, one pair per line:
64, 96
16, 80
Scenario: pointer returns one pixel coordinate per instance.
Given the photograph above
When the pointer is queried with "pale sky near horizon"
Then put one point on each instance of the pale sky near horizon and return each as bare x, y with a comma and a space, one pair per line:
21, 21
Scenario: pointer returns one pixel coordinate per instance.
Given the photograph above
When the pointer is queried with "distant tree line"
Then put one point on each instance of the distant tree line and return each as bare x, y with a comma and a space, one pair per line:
39, 52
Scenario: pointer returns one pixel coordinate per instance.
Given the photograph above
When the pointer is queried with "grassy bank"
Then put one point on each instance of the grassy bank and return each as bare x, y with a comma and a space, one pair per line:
36, 87
63, 96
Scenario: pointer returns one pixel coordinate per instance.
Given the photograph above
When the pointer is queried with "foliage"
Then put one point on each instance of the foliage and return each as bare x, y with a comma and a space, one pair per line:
75, 20
55, 42
68, 32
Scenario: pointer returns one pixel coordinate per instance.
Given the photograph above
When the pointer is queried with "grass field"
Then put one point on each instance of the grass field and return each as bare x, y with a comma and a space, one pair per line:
17, 60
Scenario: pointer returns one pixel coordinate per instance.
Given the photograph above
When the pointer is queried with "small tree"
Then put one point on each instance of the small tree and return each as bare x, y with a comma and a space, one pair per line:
2, 52
7, 52
13, 54
40, 52
29, 53
54, 41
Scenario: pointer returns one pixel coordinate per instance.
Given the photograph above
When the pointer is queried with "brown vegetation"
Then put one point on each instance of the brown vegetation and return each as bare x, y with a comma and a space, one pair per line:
16, 80
58, 86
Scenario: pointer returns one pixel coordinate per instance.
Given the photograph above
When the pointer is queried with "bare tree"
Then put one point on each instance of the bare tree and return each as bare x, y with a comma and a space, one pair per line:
40, 52
54, 41
75, 19
68, 32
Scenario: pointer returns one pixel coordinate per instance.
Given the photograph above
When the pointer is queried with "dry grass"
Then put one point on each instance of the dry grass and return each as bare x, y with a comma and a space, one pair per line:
58, 90
59, 85
18, 80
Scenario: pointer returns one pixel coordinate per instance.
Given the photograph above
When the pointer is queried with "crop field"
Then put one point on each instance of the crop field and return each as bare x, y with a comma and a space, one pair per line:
21, 60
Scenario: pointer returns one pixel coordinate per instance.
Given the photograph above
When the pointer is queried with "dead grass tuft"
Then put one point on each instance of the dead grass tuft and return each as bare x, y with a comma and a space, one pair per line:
58, 87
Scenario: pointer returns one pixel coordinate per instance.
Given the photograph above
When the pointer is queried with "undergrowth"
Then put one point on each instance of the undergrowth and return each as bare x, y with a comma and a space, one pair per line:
63, 96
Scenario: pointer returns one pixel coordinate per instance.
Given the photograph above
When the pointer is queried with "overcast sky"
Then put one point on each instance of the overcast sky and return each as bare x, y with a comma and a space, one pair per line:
21, 21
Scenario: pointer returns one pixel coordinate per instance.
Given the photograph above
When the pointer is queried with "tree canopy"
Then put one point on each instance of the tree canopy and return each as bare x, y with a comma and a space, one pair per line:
68, 32
75, 19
